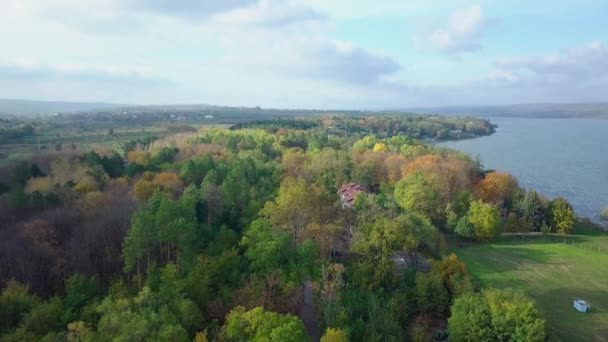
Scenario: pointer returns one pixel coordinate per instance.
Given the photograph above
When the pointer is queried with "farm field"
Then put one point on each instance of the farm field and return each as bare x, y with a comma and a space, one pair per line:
74, 139
553, 274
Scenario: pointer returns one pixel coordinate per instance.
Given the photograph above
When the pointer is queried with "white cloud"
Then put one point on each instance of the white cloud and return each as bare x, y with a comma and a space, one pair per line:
576, 74
344, 62
464, 31
307, 56
356, 9
581, 63
116, 16
503, 76
269, 12
192, 9
78, 72
238, 56
291, 53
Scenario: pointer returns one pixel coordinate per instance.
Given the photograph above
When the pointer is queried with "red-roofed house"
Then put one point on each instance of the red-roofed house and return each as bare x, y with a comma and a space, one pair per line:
348, 192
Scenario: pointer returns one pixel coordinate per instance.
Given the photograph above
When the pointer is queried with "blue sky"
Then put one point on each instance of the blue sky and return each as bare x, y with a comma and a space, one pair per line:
305, 53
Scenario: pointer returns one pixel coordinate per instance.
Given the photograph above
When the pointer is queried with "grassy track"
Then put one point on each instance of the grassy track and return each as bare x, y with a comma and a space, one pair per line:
553, 274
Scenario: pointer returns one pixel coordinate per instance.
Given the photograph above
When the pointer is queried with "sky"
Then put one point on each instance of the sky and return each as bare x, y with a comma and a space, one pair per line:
331, 54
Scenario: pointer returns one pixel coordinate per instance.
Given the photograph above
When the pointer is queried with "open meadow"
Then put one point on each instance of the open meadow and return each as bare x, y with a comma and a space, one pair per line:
553, 274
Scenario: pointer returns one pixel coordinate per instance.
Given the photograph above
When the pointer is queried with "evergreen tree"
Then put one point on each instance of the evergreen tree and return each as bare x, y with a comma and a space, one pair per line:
533, 210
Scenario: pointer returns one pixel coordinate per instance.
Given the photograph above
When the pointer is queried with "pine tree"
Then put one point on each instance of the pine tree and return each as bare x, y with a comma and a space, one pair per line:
534, 211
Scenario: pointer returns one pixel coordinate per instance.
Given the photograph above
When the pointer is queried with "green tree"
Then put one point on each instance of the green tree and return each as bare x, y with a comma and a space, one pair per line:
331, 168
419, 193
140, 241
495, 315
260, 325
113, 165
15, 302
405, 232
80, 292
512, 224
211, 197
431, 295
17, 198
369, 317
24, 171
161, 232
214, 278
265, 249
465, 228
458, 208
159, 312
470, 319
562, 215
485, 218
533, 210
297, 206
44, 317
269, 251
366, 143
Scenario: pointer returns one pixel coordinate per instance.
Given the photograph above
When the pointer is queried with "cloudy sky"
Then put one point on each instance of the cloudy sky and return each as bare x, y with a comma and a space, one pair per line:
305, 53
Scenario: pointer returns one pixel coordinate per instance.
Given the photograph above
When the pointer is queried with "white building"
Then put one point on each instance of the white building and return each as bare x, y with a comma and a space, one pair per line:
581, 305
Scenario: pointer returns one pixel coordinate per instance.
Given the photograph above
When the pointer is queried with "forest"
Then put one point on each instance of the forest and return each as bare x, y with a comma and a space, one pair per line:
246, 234
13, 130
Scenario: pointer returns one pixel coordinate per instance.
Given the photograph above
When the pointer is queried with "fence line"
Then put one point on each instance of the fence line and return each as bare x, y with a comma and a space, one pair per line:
556, 239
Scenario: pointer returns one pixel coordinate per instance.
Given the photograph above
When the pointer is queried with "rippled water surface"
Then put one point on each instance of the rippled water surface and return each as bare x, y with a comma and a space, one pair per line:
558, 157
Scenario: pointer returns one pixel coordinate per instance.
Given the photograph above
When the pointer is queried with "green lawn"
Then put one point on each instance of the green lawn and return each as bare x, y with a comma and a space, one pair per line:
553, 274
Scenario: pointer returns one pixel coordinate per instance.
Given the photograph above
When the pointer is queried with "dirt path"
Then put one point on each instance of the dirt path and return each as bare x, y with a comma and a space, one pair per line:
308, 313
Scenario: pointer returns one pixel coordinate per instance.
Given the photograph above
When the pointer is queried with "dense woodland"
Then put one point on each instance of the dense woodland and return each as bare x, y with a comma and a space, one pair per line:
222, 235
388, 125
11, 130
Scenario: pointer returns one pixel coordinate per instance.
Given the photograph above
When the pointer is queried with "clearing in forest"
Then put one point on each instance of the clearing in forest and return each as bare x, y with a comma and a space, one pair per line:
553, 274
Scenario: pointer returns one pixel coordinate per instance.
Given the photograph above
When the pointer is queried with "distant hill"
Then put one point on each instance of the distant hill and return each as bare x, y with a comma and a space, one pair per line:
532, 110
28, 107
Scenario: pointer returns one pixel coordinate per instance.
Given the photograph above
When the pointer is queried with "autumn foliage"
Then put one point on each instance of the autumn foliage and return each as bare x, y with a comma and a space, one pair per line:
453, 174
165, 181
496, 188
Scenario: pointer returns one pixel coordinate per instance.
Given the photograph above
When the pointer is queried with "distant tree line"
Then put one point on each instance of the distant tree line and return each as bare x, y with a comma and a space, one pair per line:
274, 125
414, 126
12, 132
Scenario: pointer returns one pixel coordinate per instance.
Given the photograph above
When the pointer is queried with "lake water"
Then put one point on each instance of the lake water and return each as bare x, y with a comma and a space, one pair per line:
557, 157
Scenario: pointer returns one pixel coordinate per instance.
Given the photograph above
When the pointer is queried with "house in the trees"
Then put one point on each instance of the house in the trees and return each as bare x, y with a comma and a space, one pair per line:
348, 192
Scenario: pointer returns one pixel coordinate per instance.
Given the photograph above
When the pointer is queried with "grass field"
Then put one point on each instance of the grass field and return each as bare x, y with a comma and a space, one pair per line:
553, 274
